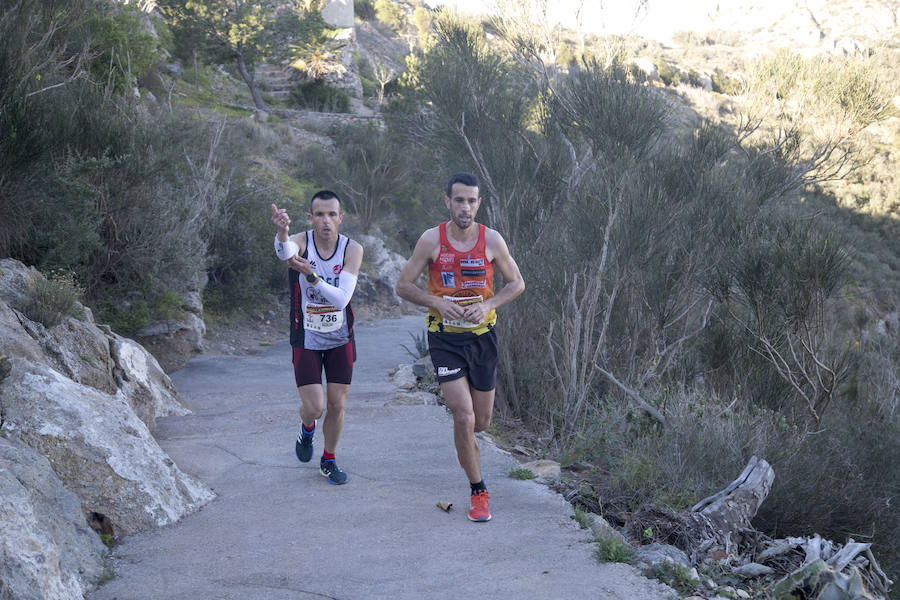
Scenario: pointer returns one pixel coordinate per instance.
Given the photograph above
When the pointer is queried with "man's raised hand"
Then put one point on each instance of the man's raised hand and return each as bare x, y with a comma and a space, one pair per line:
281, 220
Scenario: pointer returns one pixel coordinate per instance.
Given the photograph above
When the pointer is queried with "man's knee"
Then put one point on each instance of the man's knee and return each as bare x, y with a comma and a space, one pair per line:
464, 419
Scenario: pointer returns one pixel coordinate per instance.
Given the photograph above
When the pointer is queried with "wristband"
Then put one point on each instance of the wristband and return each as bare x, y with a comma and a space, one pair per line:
285, 250
312, 277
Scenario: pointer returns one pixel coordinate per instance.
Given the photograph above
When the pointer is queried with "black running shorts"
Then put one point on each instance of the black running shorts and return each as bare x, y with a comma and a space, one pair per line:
337, 362
464, 354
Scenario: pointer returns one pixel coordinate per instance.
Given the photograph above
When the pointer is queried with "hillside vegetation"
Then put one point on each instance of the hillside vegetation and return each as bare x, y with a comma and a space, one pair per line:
711, 273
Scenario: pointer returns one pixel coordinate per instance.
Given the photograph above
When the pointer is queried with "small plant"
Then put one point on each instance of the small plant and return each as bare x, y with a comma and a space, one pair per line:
420, 345
52, 300
667, 73
582, 517
613, 550
522, 473
105, 577
675, 576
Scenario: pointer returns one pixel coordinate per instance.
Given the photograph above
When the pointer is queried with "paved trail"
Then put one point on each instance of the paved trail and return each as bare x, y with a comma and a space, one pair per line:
278, 530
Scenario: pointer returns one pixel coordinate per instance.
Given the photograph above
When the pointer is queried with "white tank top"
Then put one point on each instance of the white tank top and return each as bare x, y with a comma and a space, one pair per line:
324, 325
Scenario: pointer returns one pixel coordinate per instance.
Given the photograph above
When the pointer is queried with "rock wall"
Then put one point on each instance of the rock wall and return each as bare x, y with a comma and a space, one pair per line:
77, 407
338, 13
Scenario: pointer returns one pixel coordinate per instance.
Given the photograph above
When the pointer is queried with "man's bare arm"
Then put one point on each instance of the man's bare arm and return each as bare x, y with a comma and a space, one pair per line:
406, 286
503, 261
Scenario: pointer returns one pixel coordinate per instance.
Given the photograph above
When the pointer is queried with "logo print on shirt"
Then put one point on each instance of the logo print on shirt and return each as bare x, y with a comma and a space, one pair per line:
448, 279
315, 295
337, 269
478, 283
446, 258
471, 262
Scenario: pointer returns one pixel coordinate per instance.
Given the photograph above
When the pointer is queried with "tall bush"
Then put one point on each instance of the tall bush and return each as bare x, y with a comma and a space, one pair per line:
682, 307
92, 181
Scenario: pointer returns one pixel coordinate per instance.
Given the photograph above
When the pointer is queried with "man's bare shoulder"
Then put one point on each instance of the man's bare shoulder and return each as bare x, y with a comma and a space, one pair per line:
430, 237
300, 240
492, 237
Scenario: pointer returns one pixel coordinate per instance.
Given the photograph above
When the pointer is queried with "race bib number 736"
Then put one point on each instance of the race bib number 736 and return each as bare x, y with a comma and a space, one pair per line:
322, 317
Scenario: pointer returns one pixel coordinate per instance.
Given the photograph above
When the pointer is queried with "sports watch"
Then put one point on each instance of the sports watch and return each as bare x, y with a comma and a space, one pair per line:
312, 277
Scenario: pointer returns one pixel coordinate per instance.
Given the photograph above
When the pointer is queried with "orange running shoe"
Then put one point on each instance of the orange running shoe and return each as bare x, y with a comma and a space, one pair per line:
479, 509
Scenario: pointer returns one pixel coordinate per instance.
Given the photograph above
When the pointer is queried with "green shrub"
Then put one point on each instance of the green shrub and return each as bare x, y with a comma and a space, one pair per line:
830, 87
320, 97
522, 473
613, 550
726, 84
51, 300
669, 74
675, 576
124, 47
390, 13
581, 516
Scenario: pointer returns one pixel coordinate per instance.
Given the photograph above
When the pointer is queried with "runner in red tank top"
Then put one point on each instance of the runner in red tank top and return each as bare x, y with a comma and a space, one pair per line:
460, 256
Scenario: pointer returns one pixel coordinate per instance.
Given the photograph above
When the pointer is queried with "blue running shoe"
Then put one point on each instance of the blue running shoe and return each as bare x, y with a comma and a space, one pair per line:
304, 445
329, 469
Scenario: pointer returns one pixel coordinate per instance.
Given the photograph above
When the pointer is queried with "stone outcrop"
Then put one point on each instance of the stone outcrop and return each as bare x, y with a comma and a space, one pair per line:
379, 274
47, 547
175, 341
77, 407
338, 13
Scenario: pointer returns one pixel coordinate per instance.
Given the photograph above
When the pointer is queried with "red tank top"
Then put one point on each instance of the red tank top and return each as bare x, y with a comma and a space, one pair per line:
462, 277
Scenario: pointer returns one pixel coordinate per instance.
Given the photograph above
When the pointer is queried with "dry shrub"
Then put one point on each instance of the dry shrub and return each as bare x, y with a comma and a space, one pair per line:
52, 299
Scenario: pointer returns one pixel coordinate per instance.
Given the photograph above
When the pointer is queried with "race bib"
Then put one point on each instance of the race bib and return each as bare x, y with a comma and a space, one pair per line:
322, 317
462, 301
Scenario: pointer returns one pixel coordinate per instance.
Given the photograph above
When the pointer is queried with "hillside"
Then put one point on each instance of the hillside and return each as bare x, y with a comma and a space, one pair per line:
709, 226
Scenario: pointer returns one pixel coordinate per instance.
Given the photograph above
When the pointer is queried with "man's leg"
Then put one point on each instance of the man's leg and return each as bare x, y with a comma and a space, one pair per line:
312, 403
458, 396
483, 406
334, 416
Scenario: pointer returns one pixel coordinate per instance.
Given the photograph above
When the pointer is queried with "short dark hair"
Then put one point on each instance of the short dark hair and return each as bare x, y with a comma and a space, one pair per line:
324, 195
463, 178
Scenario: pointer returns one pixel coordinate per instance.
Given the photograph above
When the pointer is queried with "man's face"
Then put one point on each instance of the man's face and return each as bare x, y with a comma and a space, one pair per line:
326, 217
463, 204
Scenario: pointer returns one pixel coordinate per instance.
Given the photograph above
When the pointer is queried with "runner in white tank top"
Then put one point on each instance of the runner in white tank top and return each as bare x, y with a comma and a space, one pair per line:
323, 269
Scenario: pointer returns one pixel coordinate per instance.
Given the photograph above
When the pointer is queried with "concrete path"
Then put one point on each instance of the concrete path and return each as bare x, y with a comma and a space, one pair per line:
278, 530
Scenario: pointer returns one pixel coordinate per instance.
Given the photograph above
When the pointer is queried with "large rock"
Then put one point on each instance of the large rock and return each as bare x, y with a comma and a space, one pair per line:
98, 447
381, 270
48, 550
81, 350
338, 13
84, 399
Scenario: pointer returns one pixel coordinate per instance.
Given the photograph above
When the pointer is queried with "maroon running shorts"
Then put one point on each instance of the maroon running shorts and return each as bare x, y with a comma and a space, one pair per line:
337, 362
